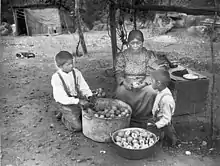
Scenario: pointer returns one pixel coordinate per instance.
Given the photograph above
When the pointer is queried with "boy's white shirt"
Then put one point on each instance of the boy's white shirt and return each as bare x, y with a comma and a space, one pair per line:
166, 105
59, 92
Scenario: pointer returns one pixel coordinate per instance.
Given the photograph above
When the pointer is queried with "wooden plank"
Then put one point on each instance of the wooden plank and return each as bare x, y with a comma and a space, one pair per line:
217, 24
39, 6
60, 18
0, 12
190, 11
26, 22
112, 12
190, 96
15, 21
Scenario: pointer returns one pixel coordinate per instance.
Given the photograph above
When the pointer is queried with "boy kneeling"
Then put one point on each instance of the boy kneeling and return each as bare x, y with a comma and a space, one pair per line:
164, 106
69, 90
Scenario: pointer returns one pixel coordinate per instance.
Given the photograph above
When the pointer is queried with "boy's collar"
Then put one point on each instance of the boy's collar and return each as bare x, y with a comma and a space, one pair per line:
160, 91
61, 71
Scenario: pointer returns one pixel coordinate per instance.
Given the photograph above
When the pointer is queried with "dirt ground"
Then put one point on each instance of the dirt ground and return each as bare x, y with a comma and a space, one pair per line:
30, 133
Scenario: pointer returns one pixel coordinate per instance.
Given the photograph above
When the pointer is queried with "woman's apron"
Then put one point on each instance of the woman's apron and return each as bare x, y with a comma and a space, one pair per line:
141, 101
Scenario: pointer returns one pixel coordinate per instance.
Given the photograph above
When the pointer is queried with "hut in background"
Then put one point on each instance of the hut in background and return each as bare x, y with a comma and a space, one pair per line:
40, 18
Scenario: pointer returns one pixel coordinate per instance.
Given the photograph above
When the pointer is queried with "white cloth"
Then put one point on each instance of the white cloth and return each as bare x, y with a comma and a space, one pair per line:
59, 92
165, 106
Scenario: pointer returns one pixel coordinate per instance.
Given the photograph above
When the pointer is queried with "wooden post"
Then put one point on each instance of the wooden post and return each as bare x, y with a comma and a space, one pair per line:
212, 36
0, 12
26, 23
15, 21
112, 12
169, 4
135, 15
78, 23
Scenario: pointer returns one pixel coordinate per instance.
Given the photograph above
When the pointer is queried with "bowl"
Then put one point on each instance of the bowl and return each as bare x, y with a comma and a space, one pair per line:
135, 154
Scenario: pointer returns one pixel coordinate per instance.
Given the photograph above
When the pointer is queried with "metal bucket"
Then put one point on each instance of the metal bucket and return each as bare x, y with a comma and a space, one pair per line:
99, 129
135, 154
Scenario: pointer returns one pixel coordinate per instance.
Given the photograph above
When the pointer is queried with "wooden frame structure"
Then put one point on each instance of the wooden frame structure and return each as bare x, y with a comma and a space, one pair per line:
192, 11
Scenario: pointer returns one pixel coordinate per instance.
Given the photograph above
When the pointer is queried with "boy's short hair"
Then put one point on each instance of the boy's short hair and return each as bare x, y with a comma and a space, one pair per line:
161, 75
62, 57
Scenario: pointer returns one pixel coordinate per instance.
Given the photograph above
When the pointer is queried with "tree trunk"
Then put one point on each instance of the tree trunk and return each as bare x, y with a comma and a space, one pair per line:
169, 4
78, 23
135, 2
112, 11
212, 105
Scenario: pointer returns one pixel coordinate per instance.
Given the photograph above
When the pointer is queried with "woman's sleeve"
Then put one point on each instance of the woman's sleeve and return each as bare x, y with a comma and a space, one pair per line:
119, 68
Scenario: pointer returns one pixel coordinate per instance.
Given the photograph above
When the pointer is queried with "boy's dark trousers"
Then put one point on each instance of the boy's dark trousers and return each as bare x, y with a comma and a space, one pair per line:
71, 117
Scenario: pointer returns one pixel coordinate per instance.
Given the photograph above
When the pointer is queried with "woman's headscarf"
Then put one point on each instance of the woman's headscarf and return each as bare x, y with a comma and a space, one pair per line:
136, 34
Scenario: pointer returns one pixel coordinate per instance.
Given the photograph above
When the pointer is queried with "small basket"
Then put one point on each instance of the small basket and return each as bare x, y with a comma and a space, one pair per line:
135, 154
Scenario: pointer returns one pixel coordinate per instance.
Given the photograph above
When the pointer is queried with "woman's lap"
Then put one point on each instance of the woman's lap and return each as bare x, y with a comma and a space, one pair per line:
141, 101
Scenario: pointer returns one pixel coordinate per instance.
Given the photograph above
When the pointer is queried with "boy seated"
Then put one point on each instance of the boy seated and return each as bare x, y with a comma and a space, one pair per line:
164, 105
70, 90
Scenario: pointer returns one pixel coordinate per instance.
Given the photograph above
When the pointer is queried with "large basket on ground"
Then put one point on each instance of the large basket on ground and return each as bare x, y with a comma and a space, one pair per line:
135, 154
99, 129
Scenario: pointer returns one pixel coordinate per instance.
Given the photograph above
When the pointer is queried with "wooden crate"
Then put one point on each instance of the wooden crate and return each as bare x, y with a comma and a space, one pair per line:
190, 95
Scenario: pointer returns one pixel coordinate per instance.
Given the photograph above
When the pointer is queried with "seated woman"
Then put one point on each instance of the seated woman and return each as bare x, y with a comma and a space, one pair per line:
133, 66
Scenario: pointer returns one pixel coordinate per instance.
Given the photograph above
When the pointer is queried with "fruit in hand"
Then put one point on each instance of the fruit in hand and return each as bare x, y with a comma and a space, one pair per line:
99, 92
135, 84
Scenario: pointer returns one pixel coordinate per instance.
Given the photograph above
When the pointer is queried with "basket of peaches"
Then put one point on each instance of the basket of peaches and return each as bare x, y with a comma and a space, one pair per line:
134, 143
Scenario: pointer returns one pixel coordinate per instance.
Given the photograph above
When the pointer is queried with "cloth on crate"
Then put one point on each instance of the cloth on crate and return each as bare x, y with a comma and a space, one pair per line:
61, 95
163, 108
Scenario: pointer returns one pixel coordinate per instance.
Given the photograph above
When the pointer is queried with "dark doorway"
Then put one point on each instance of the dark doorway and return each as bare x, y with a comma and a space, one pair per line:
21, 22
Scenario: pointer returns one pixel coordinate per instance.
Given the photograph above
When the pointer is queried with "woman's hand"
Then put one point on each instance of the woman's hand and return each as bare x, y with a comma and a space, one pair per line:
92, 99
127, 85
139, 86
83, 102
